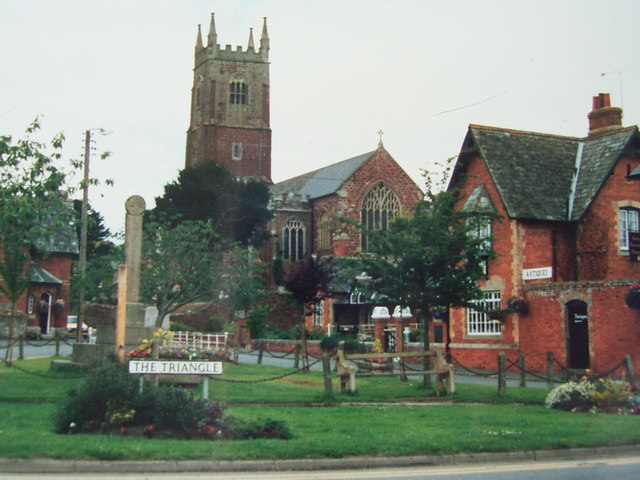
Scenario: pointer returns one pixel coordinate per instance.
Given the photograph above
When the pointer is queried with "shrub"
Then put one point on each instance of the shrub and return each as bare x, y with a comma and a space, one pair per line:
571, 396
610, 395
353, 346
180, 327
330, 343
109, 398
107, 390
235, 428
257, 322
214, 324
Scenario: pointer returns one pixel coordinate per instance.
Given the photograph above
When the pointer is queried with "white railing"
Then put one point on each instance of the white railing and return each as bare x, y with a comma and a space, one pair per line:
199, 341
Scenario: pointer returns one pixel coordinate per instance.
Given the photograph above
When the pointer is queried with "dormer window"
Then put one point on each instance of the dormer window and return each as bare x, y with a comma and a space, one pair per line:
238, 93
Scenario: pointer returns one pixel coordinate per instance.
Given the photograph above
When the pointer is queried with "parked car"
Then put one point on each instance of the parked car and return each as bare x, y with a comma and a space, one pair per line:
72, 325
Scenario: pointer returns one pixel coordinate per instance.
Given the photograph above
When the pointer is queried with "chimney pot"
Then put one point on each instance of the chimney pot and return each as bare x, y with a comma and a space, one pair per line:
604, 116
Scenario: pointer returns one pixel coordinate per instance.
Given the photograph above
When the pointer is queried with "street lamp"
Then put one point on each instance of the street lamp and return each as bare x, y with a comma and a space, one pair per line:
82, 264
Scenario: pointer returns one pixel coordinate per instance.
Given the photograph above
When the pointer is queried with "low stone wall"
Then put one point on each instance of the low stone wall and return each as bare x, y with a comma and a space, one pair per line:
20, 325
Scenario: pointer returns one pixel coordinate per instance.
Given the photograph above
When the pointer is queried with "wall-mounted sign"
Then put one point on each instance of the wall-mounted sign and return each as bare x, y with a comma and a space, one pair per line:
634, 246
537, 273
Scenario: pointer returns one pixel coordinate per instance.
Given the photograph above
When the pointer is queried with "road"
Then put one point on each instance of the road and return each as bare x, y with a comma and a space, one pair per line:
592, 469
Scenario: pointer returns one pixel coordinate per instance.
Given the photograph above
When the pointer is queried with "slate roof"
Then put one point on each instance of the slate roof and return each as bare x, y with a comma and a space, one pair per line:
61, 239
534, 172
40, 275
322, 182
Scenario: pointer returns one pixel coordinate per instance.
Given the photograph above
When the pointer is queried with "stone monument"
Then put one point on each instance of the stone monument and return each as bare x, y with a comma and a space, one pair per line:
103, 317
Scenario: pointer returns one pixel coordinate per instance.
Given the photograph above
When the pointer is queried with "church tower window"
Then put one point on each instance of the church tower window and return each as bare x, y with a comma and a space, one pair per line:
379, 207
238, 92
236, 151
293, 240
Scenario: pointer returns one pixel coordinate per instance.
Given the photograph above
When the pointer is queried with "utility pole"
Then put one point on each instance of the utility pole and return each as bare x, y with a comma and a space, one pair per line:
82, 265
84, 217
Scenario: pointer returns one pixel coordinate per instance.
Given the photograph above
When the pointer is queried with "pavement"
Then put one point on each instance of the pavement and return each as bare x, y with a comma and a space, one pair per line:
52, 466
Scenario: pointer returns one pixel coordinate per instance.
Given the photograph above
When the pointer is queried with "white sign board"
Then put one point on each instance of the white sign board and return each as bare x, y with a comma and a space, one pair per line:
167, 367
537, 273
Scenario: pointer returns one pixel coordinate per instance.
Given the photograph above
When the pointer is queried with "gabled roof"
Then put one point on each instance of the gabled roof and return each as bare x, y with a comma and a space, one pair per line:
38, 274
534, 172
322, 182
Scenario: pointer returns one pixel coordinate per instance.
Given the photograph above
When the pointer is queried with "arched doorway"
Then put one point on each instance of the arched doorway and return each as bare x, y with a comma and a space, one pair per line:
577, 334
44, 312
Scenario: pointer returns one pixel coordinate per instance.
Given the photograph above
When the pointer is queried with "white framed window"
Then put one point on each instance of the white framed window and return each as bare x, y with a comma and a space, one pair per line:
236, 151
293, 240
478, 321
628, 222
31, 301
318, 314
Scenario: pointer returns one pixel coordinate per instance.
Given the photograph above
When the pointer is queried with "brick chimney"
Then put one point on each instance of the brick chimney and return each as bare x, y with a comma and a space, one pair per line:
604, 117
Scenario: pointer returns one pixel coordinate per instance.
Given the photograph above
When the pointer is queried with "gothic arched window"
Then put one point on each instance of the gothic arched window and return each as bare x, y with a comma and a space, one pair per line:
238, 92
379, 207
324, 232
293, 240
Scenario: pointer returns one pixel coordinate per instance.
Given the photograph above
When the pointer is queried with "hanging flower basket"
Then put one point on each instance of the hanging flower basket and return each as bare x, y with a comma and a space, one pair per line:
632, 297
518, 305
58, 306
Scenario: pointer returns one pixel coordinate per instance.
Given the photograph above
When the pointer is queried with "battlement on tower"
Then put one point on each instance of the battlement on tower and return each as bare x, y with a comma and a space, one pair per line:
213, 50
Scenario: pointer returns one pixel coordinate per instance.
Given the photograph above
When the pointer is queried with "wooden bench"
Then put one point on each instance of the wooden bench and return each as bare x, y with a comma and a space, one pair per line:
348, 370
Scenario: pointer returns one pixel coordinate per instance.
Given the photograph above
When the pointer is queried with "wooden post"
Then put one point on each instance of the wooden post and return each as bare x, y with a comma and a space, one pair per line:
628, 365
502, 374
121, 315
296, 360
205, 387
550, 358
21, 349
260, 351
523, 376
58, 344
326, 369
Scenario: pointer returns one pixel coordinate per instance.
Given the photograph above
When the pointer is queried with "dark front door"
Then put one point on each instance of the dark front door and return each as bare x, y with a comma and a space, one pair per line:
577, 334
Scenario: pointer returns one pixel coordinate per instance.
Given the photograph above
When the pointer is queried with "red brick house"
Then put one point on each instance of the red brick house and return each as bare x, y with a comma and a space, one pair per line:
568, 209
46, 299
369, 189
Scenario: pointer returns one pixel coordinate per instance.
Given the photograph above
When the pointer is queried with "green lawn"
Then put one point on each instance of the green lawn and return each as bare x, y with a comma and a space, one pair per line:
338, 429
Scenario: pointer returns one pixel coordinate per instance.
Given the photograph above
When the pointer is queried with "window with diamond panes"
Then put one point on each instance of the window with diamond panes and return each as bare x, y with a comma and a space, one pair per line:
379, 207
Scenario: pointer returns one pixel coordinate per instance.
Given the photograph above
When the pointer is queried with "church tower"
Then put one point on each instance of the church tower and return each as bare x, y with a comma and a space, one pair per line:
230, 106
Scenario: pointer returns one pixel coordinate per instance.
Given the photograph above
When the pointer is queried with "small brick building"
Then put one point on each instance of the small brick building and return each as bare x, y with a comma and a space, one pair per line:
564, 243
46, 299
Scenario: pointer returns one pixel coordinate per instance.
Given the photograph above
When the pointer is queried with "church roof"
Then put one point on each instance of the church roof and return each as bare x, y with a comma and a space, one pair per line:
534, 172
321, 182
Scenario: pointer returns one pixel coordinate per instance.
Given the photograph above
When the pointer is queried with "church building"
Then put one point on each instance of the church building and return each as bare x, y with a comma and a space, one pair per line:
230, 125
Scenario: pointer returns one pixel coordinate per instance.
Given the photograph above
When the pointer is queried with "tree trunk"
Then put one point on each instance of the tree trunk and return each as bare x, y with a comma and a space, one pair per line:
425, 324
12, 333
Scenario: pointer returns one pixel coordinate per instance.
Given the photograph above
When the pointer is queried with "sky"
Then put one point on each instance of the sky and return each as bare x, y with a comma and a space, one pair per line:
341, 71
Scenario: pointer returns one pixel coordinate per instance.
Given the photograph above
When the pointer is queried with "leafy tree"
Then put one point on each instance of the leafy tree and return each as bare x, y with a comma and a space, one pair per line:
308, 284
103, 257
33, 205
244, 278
180, 264
208, 192
429, 259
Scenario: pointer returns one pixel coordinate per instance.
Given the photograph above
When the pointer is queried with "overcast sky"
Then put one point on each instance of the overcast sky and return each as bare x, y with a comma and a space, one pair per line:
341, 70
